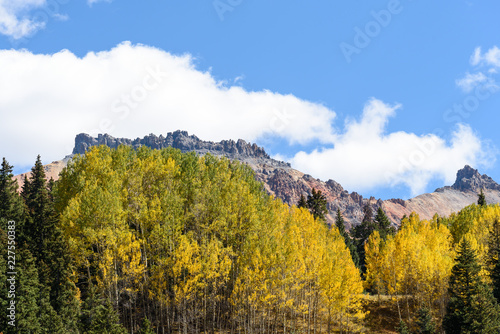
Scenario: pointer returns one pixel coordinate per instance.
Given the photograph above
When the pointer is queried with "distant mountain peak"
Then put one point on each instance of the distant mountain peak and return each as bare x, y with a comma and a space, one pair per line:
240, 150
469, 179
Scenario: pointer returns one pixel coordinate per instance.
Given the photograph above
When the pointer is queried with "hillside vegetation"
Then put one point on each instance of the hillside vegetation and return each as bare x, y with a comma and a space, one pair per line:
159, 241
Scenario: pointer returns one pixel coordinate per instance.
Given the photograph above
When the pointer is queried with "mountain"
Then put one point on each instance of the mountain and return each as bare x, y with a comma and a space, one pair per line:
284, 182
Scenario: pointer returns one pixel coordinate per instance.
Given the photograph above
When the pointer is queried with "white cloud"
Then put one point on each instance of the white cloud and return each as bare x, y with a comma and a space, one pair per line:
15, 20
489, 61
365, 157
492, 57
475, 59
470, 81
131, 91
91, 2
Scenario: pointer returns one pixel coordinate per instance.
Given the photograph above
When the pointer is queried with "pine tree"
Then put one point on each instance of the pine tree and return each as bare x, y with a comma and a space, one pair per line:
468, 297
481, 199
403, 328
494, 257
11, 205
98, 316
53, 260
340, 223
425, 325
316, 202
146, 327
302, 202
383, 224
361, 234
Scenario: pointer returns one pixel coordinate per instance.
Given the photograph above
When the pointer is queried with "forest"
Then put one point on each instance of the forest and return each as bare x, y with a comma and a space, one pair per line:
158, 241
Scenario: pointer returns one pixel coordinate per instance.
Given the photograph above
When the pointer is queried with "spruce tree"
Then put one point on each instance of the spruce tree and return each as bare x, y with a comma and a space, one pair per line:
53, 260
146, 327
383, 224
316, 202
302, 202
494, 257
425, 325
98, 315
340, 223
403, 328
11, 204
481, 199
468, 296
361, 234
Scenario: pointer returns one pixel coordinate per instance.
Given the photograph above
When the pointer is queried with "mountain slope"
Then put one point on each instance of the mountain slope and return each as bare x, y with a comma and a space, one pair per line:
288, 184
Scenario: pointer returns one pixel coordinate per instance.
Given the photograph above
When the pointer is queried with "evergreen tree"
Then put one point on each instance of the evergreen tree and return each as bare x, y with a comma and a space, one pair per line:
11, 205
146, 327
485, 315
316, 202
302, 202
361, 234
481, 199
340, 223
425, 325
383, 224
98, 316
53, 260
468, 296
494, 257
403, 328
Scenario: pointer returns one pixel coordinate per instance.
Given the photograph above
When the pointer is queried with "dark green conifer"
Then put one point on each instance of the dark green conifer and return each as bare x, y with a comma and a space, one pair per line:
302, 202
494, 257
383, 224
340, 223
465, 312
98, 316
146, 327
425, 325
481, 199
316, 202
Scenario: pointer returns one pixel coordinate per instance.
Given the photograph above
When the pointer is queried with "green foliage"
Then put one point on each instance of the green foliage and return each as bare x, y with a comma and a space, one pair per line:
340, 223
11, 206
481, 199
98, 316
383, 224
403, 328
361, 234
425, 325
469, 297
494, 257
146, 327
316, 203
302, 202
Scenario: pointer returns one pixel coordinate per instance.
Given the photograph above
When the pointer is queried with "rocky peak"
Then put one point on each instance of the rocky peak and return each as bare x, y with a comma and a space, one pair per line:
181, 140
469, 179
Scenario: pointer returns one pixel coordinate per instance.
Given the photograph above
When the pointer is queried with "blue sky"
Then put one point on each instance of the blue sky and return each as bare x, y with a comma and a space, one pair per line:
389, 98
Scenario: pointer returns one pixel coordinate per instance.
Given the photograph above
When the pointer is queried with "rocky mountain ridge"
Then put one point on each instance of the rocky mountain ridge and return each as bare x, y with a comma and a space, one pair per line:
288, 184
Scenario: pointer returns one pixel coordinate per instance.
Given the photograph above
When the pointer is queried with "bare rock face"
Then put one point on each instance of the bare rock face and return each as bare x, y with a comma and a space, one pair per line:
288, 184
469, 179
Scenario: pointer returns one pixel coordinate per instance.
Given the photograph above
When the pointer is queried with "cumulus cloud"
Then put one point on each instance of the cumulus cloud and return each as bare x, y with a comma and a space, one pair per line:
365, 157
134, 90
15, 20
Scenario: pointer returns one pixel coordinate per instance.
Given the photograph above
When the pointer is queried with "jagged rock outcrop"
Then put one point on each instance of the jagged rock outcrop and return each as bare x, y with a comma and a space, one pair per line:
288, 184
181, 140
